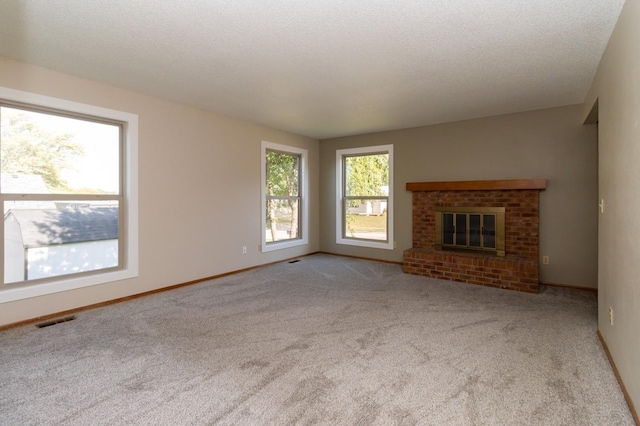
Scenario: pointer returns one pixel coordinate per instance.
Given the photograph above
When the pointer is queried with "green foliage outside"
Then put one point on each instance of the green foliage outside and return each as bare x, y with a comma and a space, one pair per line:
366, 175
283, 179
25, 148
282, 174
367, 223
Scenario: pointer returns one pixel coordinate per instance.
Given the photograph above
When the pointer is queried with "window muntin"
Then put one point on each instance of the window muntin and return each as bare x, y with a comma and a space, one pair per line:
284, 201
364, 216
91, 171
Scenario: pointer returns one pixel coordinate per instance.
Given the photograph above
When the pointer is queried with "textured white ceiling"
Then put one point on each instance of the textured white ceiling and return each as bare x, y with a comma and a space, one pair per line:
324, 68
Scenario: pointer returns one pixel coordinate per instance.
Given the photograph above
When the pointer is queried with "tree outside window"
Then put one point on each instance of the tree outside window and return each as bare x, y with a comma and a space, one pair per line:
284, 197
366, 199
364, 214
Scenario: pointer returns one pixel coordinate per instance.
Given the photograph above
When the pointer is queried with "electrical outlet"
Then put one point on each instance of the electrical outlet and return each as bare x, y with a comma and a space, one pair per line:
545, 260
601, 205
244, 249
610, 315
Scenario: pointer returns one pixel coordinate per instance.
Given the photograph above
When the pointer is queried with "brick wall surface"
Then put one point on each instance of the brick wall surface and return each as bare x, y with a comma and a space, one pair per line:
517, 270
521, 216
509, 272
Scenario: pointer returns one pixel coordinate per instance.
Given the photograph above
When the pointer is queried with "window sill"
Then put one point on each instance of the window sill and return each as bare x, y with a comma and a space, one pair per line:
280, 245
20, 292
384, 245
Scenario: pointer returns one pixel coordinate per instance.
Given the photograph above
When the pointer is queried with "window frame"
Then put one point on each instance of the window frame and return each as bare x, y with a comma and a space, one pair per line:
303, 192
341, 238
128, 198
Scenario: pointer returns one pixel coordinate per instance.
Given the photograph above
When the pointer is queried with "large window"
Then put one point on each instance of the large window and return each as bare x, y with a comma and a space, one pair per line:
364, 213
68, 187
284, 196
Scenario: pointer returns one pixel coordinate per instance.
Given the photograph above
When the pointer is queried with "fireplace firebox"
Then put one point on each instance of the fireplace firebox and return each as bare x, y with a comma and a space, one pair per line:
470, 228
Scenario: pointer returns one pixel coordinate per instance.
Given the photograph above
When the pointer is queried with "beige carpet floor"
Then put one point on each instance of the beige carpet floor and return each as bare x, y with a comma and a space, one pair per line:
326, 340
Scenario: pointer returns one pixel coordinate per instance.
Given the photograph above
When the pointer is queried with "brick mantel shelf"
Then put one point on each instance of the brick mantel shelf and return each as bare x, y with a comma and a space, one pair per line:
517, 270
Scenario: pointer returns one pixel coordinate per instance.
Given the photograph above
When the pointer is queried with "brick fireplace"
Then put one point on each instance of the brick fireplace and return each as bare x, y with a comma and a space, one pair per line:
516, 270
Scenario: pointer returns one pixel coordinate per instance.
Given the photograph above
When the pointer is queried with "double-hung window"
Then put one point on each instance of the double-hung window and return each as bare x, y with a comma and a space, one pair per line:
68, 192
364, 213
284, 196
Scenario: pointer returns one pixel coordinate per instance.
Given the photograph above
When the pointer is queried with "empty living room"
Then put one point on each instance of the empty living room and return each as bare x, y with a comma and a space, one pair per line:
321, 212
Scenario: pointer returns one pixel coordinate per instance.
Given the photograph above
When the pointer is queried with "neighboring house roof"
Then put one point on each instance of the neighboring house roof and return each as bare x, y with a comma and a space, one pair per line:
24, 184
45, 227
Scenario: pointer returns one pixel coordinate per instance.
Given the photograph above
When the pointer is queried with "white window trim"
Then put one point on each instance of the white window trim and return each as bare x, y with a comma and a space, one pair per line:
340, 239
304, 189
130, 262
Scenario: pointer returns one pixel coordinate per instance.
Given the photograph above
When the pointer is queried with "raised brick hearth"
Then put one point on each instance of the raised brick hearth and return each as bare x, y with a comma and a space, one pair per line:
517, 270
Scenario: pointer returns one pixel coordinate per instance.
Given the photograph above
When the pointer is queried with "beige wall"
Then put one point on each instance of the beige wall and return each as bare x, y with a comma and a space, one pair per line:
199, 186
617, 89
551, 143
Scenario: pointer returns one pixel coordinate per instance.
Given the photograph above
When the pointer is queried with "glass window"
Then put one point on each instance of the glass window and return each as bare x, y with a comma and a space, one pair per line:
364, 215
284, 197
63, 179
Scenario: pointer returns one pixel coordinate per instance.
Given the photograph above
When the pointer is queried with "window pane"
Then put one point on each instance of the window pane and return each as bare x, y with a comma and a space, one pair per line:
52, 238
366, 219
461, 229
283, 174
283, 219
49, 154
474, 230
447, 228
489, 231
367, 175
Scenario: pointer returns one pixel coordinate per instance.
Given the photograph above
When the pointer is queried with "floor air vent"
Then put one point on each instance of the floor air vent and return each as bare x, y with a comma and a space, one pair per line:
55, 321
295, 261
